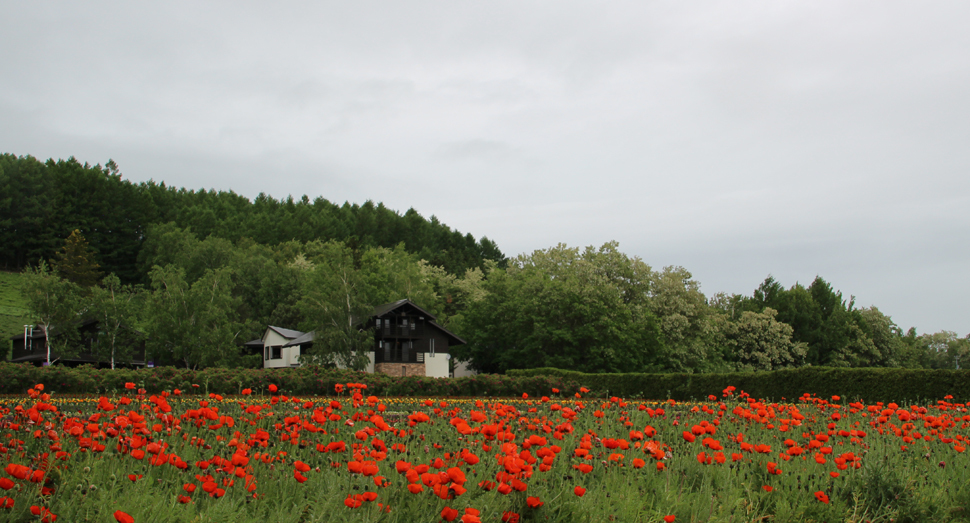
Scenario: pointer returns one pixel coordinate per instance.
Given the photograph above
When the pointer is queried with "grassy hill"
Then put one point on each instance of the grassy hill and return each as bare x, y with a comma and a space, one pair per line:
13, 311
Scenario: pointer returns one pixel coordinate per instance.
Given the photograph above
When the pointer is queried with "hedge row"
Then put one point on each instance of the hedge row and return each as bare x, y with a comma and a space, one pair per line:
17, 378
868, 384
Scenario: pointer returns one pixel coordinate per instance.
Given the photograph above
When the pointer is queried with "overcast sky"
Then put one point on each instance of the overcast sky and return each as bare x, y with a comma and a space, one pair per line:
736, 139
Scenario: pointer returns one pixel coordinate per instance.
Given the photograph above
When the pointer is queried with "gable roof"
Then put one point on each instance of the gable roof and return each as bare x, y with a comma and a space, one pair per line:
287, 333
307, 337
380, 311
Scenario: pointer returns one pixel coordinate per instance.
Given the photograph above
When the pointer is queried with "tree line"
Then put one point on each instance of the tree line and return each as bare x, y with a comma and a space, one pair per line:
198, 275
599, 310
41, 203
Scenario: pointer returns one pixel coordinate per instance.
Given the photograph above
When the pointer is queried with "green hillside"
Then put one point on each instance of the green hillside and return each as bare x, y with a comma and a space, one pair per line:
13, 311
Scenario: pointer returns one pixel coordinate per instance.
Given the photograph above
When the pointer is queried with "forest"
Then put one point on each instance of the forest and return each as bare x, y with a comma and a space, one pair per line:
198, 273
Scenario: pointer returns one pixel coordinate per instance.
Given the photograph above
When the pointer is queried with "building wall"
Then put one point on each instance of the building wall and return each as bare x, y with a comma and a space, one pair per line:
462, 370
401, 369
272, 338
436, 366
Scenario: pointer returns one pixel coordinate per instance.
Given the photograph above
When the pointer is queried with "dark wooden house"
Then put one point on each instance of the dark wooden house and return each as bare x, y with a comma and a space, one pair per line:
407, 342
30, 347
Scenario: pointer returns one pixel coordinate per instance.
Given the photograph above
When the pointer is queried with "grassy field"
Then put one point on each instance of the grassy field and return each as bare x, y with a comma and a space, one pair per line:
13, 310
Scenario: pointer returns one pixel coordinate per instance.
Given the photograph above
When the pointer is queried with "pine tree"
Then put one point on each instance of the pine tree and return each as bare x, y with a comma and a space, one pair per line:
75, 261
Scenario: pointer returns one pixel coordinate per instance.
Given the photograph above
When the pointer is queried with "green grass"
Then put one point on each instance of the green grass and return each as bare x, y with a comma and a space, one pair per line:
13, 309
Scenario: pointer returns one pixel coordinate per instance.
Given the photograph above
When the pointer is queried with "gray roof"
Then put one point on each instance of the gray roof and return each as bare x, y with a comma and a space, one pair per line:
305, 338
381, 310
287, 333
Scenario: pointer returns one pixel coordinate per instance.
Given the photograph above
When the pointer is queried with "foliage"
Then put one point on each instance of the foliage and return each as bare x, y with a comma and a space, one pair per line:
56, 305
41, 203
13, 309
566, 308
867, 384
192, 323
116, 307
759, 342
336, 302
17, 378
75, 262
686, 322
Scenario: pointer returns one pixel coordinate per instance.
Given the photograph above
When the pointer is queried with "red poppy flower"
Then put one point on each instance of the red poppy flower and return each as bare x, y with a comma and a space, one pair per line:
449, 514
579, 491
670, 518
533, 502
273, 388
122, 517
821, 497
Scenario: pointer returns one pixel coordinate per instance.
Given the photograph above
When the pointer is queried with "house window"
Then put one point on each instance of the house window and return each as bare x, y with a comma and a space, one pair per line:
387, 350
277, 352
431, 344
406, 351
420, 356
265, 353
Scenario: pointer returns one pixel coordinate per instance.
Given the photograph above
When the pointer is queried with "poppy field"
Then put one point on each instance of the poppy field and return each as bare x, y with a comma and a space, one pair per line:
267, 456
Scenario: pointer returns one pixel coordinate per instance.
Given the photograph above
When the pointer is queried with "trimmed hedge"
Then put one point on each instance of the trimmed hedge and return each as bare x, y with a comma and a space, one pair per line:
17, 378
866, 384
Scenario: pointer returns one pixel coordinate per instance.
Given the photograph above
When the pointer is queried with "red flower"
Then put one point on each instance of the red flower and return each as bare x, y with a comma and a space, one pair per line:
122, 517
129, 385
670, 518
579, 491
272, 388
768, 488
449, 514
533, 502
510, 517
247, 392
6, 502
821, 497
45, 514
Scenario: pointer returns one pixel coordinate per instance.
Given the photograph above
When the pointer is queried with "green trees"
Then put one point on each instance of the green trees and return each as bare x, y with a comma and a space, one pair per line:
339, 295
40, 203
686, 322
56, 305
335, 303
192, 323
757, 341
75, 261
116, 307
564, 308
